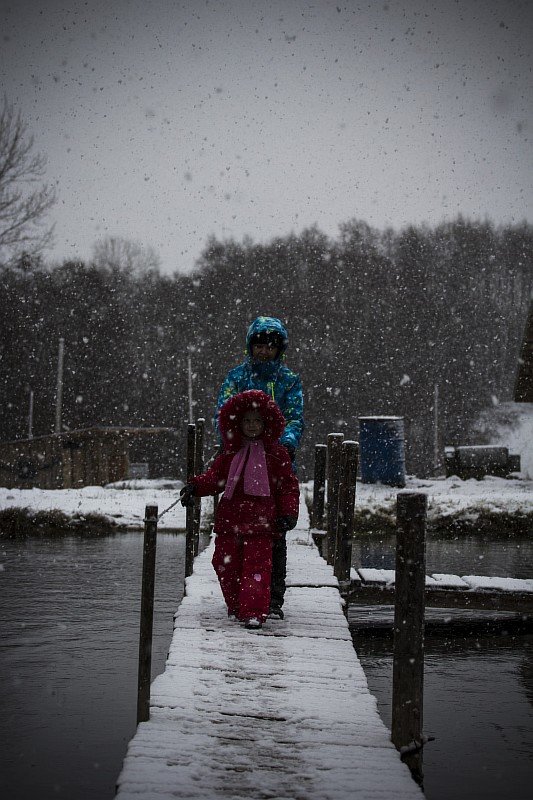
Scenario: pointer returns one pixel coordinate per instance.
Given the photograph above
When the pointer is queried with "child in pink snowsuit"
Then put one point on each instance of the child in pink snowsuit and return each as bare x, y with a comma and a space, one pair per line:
260, 501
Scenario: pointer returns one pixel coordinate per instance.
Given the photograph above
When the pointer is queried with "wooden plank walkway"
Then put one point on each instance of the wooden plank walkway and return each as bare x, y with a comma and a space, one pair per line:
282, 713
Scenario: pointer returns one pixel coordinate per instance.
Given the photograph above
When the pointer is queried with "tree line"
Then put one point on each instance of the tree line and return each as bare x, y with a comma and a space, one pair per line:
376, 319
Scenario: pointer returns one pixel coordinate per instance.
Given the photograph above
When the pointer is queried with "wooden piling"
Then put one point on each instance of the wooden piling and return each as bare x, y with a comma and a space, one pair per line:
319, 487
198, 469
189, 514
333, 476
147, 614
343, 548
408, 656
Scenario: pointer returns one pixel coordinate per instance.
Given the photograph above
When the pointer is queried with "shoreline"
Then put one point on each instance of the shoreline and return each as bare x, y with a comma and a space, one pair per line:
17, 522
493, 507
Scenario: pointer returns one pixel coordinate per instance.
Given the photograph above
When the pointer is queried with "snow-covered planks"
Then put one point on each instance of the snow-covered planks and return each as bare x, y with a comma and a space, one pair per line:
471, 592
280, 713
386, 577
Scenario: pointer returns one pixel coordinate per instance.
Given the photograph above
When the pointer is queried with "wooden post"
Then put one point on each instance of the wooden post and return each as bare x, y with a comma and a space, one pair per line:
333, 473
30, 416
59, 388
147, 614
436, 433
343, 549
408, 656
198, 468
189, 513
319, 487
189, 389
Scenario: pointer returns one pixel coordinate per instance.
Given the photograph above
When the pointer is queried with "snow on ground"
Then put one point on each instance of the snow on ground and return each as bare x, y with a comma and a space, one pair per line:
125, 502
449, 496
123, 505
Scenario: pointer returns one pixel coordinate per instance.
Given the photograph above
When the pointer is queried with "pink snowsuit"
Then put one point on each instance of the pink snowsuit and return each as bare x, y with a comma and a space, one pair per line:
245, 522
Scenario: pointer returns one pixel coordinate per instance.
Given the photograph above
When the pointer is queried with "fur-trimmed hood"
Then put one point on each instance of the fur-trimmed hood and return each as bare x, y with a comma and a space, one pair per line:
233, 410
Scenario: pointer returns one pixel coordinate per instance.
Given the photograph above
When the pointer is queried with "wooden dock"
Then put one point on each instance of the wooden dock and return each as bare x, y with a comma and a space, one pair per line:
471, 592
282, 713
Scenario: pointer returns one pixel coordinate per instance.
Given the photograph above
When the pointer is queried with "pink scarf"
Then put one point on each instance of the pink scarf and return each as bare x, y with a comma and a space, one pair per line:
255, 472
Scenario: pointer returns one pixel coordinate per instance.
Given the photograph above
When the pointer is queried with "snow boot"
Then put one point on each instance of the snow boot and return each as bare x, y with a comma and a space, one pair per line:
254, 623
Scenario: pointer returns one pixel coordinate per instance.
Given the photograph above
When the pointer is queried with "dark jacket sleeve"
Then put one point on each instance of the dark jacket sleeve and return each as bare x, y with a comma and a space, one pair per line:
287, 487
213, 480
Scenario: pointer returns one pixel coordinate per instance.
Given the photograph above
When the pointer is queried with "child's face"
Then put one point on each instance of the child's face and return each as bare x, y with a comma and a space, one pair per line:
252, 425
264, 351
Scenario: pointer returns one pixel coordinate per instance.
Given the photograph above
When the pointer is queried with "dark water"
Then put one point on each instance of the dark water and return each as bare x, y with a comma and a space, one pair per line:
505, 557
68, 660
478, 691
478, 704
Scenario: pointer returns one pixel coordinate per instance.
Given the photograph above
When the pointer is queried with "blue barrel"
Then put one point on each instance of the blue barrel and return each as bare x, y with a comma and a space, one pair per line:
382, 451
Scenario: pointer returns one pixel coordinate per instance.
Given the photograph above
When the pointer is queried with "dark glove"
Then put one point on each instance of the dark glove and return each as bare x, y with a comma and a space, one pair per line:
187, 494
284, 524
291, 451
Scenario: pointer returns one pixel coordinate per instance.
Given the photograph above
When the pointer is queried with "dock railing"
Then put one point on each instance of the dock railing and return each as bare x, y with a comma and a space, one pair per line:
333, 506
332, 526
195, 465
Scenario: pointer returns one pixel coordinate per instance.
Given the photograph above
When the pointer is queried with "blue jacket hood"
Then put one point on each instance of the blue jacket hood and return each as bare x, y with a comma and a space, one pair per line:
267, 325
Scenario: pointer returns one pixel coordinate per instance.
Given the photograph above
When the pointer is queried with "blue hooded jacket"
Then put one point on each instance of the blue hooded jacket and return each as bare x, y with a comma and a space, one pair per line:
272, 377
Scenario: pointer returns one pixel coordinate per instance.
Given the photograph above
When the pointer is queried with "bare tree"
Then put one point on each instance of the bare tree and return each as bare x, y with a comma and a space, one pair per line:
116, 253
24, 199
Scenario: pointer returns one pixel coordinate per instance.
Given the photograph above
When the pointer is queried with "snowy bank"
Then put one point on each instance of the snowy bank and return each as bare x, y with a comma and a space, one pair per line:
123, 508
452, 503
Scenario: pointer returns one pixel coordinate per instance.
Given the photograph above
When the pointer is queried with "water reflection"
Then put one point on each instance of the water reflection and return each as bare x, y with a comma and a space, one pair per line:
508, 557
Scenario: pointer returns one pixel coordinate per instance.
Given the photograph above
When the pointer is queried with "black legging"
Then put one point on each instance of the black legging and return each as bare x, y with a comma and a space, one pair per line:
279, 571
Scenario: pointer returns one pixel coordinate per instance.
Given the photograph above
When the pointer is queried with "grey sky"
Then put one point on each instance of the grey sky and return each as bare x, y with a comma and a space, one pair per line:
165, 122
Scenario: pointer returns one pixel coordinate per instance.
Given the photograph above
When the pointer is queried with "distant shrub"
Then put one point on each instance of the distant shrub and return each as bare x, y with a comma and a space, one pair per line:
18, 523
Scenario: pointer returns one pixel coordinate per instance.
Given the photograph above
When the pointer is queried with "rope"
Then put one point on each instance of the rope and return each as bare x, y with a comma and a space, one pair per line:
168, 509
218, 450
415, 746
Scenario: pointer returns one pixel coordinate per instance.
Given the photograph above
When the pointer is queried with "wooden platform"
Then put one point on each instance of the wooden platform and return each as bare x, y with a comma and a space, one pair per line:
471, 592
282, 713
